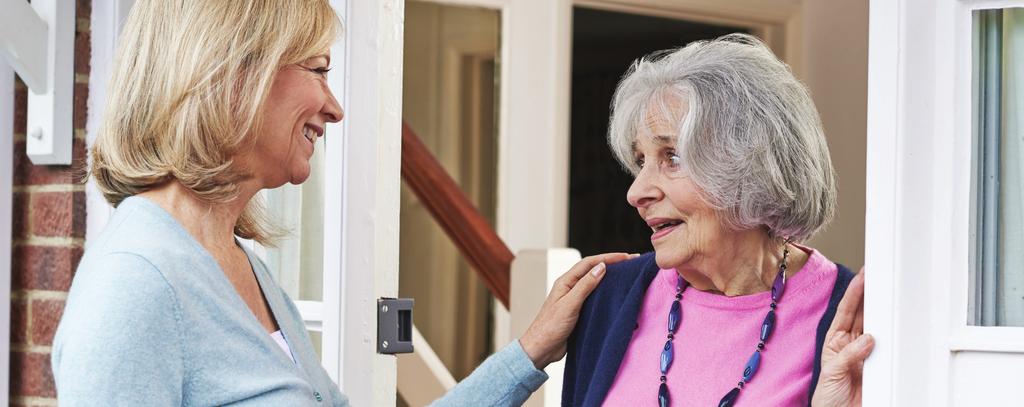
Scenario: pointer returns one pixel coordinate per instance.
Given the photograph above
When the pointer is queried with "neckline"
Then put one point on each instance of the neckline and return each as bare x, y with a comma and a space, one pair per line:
153, 208
805, 278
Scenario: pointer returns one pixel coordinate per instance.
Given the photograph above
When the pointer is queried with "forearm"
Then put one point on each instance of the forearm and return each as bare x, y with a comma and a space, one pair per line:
507, 378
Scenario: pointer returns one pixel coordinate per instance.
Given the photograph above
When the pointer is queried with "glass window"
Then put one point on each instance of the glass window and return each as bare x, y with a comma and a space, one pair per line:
997, 273
297, 261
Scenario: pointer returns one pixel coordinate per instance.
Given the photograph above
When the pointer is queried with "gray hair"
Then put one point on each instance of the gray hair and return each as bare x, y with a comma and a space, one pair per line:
751, 140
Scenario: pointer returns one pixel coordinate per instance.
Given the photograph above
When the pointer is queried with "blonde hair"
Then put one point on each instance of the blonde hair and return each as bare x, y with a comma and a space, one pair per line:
189, 82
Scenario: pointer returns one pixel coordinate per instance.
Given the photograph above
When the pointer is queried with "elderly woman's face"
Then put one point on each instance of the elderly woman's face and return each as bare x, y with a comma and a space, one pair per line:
297, 109
683, 226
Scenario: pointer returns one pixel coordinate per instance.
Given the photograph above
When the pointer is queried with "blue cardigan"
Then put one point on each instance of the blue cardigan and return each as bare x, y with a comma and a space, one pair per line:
152, 320
606, 323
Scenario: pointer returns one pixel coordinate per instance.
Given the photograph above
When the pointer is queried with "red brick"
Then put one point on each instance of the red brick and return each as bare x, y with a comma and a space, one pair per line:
20, 107
83, 9
20, 215
58, 214
78, 224
79, 162
31, 375
45, 315
19, 321
80, 108
82, 52
44, 267
27, 173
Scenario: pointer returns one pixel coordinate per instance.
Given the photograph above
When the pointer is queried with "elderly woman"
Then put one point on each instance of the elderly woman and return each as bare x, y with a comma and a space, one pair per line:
732, 172
212, 101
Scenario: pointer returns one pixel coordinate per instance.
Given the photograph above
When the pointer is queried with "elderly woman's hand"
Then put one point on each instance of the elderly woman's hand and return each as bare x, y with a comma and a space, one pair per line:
846, 347
545, 339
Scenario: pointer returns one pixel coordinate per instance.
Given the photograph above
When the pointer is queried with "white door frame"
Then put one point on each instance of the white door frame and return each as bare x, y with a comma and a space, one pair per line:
362, 189
6, 218
918, 218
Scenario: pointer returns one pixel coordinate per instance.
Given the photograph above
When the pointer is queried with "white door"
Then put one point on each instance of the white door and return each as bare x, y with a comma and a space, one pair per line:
943, 249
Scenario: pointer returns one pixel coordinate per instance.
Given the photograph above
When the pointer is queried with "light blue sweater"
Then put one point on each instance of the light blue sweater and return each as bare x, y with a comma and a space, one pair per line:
152, 320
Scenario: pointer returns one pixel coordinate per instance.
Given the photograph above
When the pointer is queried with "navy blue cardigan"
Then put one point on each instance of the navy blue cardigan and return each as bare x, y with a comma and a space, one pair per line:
599, 341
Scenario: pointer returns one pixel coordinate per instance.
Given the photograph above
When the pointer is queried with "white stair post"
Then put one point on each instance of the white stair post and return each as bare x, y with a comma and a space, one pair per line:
422, 377
533, 273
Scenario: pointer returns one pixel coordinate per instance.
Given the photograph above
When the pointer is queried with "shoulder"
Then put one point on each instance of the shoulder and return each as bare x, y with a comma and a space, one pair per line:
623, 275
624, 282
141, 234
120, 310
117, 288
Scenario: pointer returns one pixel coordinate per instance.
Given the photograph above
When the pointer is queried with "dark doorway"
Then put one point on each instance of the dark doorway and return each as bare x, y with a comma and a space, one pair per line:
605, 43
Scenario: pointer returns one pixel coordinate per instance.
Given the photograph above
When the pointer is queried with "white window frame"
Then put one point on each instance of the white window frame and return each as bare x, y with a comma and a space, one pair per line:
918, 214
361, 187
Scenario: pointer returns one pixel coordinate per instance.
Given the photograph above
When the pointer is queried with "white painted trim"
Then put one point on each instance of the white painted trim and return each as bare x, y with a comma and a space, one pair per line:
918, 217
107, 20
362, 238
25, 43
727, 12
989, 4
333, 345
6, 219
881, 186
988, 339
533, 274
533, 125
312, 313
491, 4
50, 131
683, 11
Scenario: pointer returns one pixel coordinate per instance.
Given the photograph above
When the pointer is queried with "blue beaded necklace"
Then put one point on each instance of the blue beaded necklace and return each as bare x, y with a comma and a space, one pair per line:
674, 317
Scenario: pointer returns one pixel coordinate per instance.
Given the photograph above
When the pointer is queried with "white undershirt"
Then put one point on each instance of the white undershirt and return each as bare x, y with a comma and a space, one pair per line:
279, 338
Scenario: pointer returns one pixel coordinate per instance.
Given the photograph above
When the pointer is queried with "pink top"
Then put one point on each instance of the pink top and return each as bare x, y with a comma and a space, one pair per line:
717, 336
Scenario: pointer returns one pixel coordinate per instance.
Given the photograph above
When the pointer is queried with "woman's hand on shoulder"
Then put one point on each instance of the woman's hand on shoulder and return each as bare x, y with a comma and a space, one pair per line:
545, 340
845, 349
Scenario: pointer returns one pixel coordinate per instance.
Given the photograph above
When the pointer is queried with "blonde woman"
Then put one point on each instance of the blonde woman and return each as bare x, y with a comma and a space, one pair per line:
212, 101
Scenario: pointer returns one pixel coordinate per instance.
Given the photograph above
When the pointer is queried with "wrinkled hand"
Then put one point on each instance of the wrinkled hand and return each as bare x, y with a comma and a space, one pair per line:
846, 347
545, 340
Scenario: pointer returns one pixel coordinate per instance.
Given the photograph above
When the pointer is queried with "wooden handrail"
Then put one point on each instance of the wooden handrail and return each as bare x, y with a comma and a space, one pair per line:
459, 218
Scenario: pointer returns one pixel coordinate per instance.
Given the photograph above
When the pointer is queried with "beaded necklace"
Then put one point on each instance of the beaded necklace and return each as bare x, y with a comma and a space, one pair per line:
674, 317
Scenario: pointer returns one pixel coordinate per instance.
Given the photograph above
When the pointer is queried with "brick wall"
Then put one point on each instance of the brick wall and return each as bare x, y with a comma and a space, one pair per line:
48, 238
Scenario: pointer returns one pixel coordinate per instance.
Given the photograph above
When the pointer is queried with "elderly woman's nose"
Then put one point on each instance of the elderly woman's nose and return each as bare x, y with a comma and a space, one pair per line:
332, 109
642, 192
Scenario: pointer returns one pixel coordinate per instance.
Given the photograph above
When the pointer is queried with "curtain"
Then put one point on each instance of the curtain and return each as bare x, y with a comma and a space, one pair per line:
297, 261
1010, 291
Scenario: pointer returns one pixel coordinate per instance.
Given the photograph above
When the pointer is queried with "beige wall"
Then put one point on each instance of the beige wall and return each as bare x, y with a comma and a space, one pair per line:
445, 48
835, 57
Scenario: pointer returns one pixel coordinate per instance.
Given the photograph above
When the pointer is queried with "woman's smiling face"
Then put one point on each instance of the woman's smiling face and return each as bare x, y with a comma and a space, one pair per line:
684, 227
296, 112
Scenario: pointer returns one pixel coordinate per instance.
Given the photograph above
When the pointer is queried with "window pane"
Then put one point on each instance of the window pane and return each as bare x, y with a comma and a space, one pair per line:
297, 261
997, 275
317, 338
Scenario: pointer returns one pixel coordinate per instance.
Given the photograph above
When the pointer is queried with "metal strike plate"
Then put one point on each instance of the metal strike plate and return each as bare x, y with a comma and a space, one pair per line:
394, 325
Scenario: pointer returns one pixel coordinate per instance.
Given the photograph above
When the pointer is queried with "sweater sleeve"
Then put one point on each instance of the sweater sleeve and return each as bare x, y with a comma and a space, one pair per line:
119, 341
507, 378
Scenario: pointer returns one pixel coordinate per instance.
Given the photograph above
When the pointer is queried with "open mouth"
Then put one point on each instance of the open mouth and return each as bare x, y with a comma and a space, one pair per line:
311, 133
665, 225
662, 226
